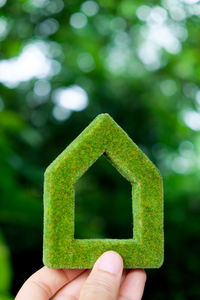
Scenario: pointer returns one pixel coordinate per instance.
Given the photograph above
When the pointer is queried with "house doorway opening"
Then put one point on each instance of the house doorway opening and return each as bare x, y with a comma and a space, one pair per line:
103, 204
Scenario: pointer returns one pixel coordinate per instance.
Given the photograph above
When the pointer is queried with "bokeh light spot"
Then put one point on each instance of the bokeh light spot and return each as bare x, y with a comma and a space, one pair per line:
192, 119
61, 113
32, 62
2, 2
197, 97
86, 62
149, 53
122, 39
157, 15
190, 1
55, 6
186, 148
48, 27
168, 87
38, 3
42, 88
78, 20
3, 28
72, 98
90, 8
118, 23
143, 12
181, 165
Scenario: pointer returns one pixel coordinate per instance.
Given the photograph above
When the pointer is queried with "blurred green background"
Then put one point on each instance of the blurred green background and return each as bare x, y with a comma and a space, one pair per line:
61, 64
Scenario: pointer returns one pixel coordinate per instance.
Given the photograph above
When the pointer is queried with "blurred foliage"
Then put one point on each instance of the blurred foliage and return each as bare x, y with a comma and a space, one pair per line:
138, 61
5, 270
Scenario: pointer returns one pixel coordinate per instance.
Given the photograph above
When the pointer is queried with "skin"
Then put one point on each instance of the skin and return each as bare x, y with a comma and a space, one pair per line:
106, 281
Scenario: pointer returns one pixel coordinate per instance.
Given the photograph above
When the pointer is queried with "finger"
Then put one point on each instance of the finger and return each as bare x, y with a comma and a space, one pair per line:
133, 286
43, 284
104, 279
124, 274
72, 289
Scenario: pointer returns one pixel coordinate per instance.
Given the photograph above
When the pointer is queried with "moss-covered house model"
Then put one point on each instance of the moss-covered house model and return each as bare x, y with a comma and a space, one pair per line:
102, 137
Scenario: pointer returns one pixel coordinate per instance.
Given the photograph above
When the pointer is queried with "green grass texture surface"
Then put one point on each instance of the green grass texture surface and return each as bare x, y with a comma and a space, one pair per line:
103, 136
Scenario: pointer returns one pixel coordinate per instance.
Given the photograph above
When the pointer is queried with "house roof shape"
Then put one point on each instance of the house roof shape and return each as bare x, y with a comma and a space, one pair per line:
60, 248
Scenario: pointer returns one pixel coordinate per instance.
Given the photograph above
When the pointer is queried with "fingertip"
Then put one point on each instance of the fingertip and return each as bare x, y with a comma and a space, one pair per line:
144, 274
140, 273
104, 279
133, 284
110, 261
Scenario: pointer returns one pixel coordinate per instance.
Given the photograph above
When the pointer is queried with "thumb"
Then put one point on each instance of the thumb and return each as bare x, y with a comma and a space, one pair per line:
104, 279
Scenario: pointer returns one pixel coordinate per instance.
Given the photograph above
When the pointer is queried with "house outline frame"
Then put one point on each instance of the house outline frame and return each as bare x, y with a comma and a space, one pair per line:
102, 136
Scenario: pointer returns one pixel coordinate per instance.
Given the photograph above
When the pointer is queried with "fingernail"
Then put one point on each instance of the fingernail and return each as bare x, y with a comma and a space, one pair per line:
110, 262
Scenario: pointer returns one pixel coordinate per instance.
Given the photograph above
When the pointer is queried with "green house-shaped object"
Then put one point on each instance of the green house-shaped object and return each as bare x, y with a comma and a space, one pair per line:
61, 249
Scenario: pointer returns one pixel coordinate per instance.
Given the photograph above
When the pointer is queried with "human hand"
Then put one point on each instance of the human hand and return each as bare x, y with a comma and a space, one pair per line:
106, 281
